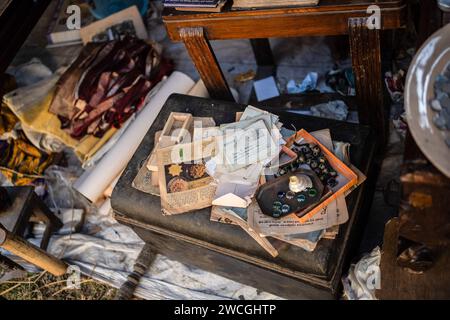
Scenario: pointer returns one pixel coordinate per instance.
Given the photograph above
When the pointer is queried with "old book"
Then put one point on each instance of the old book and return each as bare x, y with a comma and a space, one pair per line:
217, 8
191, 3
246, 4
184, 184
194, 123
127, 21
146, 181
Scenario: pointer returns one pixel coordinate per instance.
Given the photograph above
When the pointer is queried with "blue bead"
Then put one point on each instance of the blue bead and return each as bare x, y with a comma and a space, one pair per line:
285, 208
301, 198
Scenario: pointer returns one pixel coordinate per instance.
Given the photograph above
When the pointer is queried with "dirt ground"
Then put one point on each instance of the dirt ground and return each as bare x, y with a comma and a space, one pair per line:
44, 286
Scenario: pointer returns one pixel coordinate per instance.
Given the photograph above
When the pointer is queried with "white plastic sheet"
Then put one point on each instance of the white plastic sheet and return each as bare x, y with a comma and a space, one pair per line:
107, 251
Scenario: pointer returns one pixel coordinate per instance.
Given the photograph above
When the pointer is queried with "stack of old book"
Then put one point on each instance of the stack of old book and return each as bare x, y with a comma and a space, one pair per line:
197, 164
248, 4
196, 5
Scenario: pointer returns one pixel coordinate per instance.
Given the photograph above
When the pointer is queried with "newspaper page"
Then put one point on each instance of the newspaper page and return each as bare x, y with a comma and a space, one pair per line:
238, 216
223, 215
334, 214
184, 184
146, 180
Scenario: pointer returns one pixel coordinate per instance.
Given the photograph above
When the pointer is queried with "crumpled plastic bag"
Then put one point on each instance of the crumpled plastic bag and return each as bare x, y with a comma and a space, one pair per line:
337, 110
308, 84
363, 277
30, 72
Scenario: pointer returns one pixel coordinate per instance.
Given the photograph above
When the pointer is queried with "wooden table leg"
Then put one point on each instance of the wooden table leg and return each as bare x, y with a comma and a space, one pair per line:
206, 63
366, 61
22, 248
263, 56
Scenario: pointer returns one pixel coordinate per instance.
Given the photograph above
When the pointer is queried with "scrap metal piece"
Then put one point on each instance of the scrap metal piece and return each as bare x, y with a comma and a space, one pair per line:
245, 76
143, 262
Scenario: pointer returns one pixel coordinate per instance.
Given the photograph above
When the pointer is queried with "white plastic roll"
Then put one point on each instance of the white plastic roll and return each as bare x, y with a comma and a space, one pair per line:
93, 183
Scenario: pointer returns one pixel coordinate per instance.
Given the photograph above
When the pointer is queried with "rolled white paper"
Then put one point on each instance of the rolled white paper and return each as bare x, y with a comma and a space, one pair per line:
93, 183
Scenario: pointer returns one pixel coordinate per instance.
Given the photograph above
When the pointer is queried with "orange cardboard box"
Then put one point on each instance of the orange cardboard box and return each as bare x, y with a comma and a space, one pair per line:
342, 170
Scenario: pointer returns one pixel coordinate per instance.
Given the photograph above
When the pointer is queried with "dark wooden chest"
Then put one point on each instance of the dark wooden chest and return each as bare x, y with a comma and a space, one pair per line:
227, 250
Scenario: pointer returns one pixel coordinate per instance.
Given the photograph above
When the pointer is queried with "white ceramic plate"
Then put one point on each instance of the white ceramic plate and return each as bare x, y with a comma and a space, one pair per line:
431, 60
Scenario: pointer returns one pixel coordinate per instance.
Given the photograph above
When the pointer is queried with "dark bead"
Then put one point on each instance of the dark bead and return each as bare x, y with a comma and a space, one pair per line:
276, 213
305, 149
301, 198
332, 182
285, 208
281, 194
290, 195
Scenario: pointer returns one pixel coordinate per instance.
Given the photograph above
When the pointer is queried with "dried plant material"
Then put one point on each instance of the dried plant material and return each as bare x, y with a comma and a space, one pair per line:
246, 76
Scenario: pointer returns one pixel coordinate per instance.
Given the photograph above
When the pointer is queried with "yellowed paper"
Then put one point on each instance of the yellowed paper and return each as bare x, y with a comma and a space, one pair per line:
184, 184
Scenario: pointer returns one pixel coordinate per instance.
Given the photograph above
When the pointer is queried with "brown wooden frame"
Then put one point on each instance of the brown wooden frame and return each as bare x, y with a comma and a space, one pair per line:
330, 17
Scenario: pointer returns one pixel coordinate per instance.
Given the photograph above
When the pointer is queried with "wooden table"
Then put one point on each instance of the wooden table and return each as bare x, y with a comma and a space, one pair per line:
330, 17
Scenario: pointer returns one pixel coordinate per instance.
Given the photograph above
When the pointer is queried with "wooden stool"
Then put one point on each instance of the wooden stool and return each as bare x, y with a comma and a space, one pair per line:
23, 207
26, 208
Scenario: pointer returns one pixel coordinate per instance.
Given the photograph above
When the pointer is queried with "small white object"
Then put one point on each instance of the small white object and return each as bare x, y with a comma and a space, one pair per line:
299, 183
266, 88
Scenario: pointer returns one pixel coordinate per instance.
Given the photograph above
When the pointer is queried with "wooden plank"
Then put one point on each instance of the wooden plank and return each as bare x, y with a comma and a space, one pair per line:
22, 248
233, 268
366, 61
425, 214
206, 63
400, 283
262, 51
281, 22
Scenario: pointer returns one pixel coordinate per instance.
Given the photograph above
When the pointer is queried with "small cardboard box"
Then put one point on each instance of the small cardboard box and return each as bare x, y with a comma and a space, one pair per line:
347, 176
